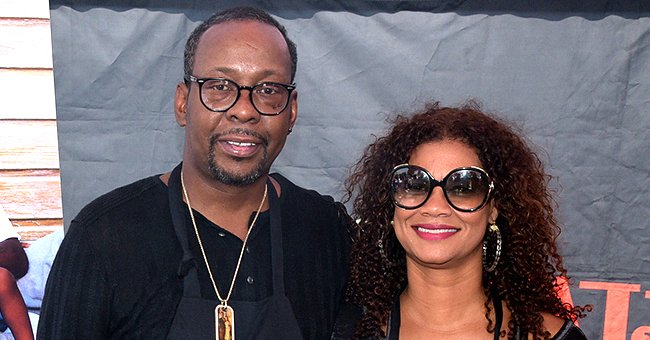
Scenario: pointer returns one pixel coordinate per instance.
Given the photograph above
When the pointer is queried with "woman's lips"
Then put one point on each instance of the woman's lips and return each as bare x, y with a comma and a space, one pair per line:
434, 232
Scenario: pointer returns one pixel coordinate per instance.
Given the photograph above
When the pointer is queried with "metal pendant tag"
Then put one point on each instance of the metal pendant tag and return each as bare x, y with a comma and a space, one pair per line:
224, 317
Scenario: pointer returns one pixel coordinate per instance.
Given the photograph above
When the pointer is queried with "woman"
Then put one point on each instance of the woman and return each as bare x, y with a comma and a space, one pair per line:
456, 234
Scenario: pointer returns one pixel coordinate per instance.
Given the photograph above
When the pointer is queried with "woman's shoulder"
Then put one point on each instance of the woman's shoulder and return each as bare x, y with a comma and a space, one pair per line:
569, 331
562, 329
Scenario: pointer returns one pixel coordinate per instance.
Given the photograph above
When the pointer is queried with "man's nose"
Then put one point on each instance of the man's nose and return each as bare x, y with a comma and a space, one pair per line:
243, 110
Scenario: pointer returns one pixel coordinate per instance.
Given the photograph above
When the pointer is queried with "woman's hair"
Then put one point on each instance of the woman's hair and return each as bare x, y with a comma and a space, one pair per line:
525, 277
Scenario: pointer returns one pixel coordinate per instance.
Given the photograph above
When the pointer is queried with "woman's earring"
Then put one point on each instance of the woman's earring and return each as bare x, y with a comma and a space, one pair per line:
493, 231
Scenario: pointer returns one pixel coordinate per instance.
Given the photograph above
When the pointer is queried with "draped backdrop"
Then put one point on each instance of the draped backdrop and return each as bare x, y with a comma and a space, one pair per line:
574, 76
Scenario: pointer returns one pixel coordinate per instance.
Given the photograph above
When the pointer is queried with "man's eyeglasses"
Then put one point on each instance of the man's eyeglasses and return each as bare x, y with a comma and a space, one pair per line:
466, 189
220, 94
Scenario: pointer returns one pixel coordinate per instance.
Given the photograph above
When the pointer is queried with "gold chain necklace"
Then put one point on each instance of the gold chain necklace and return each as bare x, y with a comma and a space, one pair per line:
224, 314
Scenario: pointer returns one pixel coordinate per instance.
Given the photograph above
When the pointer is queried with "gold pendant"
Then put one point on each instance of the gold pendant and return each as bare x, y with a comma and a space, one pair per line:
224, 317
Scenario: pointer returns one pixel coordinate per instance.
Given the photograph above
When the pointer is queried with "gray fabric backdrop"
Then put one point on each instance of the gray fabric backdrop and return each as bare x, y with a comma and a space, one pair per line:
574, 76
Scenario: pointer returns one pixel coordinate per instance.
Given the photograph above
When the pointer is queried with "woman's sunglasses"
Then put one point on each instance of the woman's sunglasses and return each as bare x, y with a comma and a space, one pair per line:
466, 189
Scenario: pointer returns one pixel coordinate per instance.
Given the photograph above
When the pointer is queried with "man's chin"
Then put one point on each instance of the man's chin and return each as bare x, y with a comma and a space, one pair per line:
235, 179
237, 171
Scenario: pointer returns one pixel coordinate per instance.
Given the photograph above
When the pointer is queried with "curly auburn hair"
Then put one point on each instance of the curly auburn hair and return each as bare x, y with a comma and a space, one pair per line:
525, 277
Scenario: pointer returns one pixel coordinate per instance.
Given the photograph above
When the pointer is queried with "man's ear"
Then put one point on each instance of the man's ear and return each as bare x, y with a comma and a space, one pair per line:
293, 109
180, 103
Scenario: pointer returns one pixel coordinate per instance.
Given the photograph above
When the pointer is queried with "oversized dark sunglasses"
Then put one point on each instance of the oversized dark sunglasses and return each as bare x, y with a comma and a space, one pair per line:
466, 189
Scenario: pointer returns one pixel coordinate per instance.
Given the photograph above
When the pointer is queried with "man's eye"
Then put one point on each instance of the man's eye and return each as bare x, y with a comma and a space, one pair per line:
220, 87
267, 91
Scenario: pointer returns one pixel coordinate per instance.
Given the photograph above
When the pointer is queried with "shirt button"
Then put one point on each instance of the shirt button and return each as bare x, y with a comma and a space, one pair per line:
222, 234
248, 250
249, 280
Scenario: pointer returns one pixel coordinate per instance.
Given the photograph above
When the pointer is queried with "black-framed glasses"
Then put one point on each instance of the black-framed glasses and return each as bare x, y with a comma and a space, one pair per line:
466, 189
220, 94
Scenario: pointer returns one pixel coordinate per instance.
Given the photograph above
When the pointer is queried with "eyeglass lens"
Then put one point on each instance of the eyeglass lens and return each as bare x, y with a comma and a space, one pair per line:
221, 95
465, 189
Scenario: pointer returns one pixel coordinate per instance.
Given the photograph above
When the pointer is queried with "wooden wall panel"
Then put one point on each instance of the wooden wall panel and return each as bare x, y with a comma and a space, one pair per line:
27, 94
28, 144
32, 201
25, 43
25, 9
30, 184
31, 194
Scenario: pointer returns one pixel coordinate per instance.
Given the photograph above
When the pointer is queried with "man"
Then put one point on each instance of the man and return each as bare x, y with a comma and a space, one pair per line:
164, 256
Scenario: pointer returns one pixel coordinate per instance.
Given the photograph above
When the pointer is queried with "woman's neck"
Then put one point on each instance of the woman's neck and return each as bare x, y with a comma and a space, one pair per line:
443, 303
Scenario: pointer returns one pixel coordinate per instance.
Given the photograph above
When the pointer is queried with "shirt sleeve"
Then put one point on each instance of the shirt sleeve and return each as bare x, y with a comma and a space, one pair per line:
76, 304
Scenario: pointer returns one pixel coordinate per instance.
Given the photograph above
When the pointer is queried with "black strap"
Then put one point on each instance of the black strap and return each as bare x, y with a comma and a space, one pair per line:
277, 255
498, 311
394, 321
191, 284
178, 217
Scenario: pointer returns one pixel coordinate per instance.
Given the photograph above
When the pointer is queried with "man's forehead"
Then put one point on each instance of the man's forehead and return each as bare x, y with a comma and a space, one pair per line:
245, 27
245, 42
243, 32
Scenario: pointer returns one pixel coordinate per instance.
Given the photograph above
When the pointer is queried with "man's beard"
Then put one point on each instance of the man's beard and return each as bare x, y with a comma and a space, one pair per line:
224, 176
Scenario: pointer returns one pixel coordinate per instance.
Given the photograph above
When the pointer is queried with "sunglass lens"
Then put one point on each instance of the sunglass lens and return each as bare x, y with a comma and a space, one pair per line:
410, 187
467, 189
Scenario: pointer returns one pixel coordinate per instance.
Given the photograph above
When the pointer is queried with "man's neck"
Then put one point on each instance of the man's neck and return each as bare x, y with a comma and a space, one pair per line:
228, 206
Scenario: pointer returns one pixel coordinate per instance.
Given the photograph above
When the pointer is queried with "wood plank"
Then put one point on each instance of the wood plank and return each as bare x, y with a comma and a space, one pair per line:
26, 239
32, 230
25, 9
27, 94
31, 194
28, 144
37, 224
25, 43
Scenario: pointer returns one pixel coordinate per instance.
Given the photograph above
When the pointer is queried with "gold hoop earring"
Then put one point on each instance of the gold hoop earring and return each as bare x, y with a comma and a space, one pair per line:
492, 232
